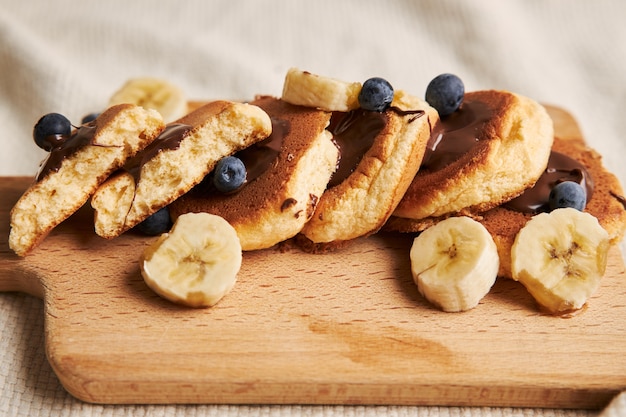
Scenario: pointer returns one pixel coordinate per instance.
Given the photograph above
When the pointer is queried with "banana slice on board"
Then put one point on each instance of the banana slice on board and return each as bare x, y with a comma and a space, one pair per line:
153, 93
196, 263
560, 257
306, 89
454, 263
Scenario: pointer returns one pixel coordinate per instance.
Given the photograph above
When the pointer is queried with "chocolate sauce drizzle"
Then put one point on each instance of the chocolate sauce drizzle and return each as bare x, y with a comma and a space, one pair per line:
259, 157
455, 135
67, 146
416, 114
168, 139
354, 133
619, 198
560, 168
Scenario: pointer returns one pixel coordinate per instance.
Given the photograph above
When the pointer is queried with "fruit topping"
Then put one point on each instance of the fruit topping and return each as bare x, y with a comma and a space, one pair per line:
445, 93
560, 257
159, 222
153, 93
51, 131
454, 263
89, 118
376, 94
196, 263
568, 194
229, 174
306, 89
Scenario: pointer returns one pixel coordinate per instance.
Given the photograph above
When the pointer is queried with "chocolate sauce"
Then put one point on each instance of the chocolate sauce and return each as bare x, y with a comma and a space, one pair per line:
560, 168
354, 133
415, 113
456, 134
169, 139
288, 203
619, 198
79, 138
259, 157
54, 141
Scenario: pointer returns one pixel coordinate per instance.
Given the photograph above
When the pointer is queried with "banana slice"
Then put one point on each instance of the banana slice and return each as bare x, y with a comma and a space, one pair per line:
306, 89
153, 93
454, 263
196, 263
560, 257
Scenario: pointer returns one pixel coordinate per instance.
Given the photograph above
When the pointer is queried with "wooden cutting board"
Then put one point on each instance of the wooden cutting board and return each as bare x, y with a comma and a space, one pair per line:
342, 328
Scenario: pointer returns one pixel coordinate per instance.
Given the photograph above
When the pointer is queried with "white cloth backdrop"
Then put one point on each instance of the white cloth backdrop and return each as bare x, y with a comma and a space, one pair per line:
69, 56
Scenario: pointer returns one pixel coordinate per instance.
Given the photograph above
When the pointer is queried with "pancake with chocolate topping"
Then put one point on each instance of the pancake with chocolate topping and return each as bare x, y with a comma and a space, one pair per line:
379, 155
72, 172
571, 159
286, 175
175, 162
487, 152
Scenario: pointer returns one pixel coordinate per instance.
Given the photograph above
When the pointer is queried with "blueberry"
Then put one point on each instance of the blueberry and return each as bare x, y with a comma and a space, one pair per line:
51, 131
376, 94
89, 118
159, 222
445, 93
229, 174
567, 194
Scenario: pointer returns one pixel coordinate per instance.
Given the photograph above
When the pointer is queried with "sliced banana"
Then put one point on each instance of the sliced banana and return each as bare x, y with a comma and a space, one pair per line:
306, 89
196, 263
560, 257
153, 93
454, 263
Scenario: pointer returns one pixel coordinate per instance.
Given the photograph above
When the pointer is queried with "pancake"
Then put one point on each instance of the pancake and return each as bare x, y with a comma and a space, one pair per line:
365, 191
176, 161
606, 203
292, 169
72, 173
487, 152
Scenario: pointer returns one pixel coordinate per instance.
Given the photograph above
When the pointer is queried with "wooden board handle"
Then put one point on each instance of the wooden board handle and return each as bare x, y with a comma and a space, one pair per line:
15, 277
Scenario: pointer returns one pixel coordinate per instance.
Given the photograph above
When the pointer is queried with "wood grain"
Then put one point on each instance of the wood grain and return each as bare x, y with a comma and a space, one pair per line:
343, 328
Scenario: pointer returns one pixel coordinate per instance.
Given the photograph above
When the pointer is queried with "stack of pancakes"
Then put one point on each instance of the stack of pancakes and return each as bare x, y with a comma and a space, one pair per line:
329, 177
482, 161
336, 176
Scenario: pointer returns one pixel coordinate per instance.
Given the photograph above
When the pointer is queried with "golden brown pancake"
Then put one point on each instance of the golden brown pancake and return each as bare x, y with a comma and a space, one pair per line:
361, 197
177, 160
295, 165
487, 152
71, 174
